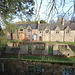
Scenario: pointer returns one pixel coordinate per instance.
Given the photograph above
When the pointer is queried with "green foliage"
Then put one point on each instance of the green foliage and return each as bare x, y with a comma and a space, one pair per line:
50, 50
49, 59
11, 28
16, 41
42, 21
70, 43
73, 49
12, 8
1, 31
2, 46
3, 39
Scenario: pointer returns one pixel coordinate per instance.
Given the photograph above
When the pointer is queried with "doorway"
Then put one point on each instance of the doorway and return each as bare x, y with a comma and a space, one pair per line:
40, 38
21, 36
34, 37
47, 38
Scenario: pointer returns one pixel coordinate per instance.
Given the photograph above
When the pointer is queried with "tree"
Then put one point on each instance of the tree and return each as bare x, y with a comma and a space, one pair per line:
42, 21
11, 8
53, 8
11, 28
1, 31
3, 39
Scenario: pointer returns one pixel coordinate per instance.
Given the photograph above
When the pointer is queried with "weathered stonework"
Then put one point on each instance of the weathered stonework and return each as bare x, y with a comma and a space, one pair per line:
62, 49
40, 48
45, 32
18, 67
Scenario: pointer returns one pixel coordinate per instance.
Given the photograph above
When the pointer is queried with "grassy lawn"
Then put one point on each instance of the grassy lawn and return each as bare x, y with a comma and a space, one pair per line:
70, 43
43, 58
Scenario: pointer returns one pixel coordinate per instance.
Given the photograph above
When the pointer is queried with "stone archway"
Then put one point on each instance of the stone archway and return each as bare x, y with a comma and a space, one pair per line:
21, 36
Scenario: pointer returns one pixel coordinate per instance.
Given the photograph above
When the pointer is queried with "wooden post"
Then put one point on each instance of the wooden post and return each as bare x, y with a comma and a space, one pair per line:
3, 67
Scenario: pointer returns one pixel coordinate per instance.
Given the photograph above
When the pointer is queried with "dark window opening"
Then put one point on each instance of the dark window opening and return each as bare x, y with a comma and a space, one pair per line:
11, 36
65, 46
21, 29
68, 54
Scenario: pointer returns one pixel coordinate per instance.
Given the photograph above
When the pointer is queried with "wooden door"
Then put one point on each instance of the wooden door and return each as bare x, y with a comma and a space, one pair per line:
40, 38
21, 36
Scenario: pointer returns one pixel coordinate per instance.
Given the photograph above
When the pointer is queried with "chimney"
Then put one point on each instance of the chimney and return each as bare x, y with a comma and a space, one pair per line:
58, 21
62, 21
39, 19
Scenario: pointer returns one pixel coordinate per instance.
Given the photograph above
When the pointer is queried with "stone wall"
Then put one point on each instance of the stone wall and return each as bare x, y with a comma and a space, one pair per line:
57, 36
69, 37
62, 49
18, 67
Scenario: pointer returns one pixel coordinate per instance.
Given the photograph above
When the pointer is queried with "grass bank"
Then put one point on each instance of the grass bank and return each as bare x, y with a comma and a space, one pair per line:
70, 43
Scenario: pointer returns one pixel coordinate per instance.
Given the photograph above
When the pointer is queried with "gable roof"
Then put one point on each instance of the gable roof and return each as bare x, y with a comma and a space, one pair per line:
63, 27
33, 26
42, 26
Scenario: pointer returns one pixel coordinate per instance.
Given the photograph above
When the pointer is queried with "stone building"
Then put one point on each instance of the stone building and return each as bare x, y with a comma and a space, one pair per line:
62, 32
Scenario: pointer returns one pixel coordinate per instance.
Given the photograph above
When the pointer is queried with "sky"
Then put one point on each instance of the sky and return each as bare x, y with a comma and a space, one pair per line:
43, 16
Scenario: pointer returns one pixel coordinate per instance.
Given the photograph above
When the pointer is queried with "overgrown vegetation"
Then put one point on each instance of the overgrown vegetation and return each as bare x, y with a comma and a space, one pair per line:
50, 50
43, 58
16, 41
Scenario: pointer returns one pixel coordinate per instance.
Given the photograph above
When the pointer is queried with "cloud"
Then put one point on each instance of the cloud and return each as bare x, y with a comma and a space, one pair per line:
16, 20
